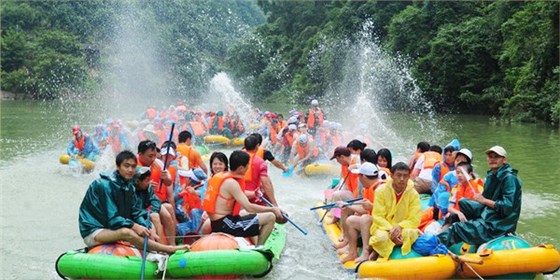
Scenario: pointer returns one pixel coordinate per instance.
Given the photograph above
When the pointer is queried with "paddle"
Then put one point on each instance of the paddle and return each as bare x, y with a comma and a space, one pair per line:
167, 154
285, 216
144, 252
289, 173
331, 193
333, 205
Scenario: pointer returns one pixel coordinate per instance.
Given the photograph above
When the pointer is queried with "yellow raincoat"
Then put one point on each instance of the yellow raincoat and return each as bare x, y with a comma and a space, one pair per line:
387, 213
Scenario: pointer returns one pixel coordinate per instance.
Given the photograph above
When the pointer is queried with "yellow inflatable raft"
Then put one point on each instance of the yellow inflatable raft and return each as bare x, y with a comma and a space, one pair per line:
508, 256
238, 142
216, 139
86, 164
321, 168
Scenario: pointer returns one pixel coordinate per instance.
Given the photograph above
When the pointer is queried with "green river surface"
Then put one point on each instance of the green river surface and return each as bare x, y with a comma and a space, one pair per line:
40, 198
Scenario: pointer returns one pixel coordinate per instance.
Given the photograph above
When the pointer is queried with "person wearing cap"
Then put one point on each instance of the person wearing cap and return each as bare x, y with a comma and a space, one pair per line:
82, 145
161, 183
315, 117
348, 189
217, 125
110, 210
190, 158
148, 199
395, 215
190, 204
287, 142
358, 215
442, 191
493, 213
303, 151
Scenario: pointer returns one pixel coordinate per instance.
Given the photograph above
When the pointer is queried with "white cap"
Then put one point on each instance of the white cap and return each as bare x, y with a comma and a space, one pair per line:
367, 169
189, 174
292, 120
164, 151
302, 125
314, 102
302, 138
499, 150
292, 127
465, 152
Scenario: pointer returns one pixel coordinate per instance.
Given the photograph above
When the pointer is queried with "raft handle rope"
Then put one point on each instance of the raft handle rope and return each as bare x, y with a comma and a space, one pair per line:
465, 261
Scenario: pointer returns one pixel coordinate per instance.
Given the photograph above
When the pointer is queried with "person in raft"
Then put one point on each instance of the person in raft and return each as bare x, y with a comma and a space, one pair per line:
82, 145
110, 210
396, 214
225, 197
493, 213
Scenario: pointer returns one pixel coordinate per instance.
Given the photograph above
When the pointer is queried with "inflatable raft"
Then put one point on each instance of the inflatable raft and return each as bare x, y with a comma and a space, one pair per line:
216, 139
321, 168
86, 164
508, 256
105, 263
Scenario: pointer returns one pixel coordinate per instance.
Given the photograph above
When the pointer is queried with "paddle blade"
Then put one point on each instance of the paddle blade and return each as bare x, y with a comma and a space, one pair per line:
289, 173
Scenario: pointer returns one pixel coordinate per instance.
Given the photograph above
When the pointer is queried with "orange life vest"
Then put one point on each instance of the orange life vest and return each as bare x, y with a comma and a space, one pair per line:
302, 151
155, 170
351, 180
311, 122
115, 142
290, 138
260, 152
462, 191
190, 201
198, 128
220, 123
151, 113
369, 193
236, 125
272, 129
431, 159
81, 143
213, 192
444, 169
249, 174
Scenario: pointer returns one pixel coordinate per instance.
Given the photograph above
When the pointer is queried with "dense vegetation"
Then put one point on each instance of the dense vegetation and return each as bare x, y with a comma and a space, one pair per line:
496, 58
470, 56
53, 48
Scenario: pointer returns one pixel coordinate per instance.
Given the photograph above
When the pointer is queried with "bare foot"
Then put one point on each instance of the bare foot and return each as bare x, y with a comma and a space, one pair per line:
363, 257
348, 257
373, 256
340, 245
185, 247
341, 237
343, 250
334, 220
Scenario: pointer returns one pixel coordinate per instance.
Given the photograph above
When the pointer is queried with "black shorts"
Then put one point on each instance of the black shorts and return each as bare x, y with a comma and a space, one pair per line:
242, 226
453, 218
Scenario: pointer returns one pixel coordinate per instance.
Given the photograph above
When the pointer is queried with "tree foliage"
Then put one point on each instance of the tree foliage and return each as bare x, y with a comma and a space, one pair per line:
470, 56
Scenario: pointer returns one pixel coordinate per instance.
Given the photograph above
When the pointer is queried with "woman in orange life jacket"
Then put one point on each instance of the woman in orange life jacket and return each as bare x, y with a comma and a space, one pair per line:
359, 218
162, 184
467, 187
384, 161
349, 186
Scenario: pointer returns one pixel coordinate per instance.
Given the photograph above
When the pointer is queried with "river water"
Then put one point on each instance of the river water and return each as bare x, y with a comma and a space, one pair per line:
40, 198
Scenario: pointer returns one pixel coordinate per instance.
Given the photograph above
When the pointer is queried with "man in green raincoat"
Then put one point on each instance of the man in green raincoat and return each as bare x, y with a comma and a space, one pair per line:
493, 213
111, 211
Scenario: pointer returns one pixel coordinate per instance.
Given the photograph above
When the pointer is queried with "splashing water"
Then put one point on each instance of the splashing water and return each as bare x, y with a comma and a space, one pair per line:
375, 86
222, 95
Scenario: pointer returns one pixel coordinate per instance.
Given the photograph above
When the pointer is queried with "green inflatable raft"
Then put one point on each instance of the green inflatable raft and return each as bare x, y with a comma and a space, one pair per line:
254, 262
